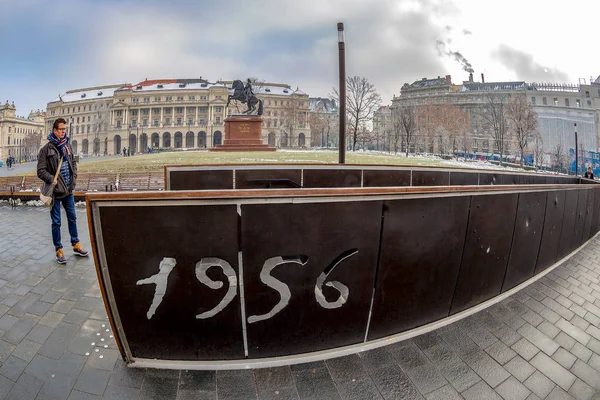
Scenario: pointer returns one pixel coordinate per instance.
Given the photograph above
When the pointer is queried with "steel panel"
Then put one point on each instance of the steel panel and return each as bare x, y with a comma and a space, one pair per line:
489, 179
136, 240
464, 178
582, 202
430, 178
555, 209
323, 178
589, 214
267, 178
485, 257
319, 234
596, 213
510, 179
384, 177
421, 248
526, 238
200, 180
568, 223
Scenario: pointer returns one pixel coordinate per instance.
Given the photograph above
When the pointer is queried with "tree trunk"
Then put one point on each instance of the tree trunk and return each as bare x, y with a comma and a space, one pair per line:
521, 159
355, 135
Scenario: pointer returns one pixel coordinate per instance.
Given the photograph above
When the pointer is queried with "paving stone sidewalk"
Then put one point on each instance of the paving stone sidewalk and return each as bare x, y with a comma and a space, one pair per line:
56, 343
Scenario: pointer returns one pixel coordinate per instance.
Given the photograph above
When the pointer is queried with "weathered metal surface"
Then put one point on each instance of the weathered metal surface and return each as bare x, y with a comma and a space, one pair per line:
485, 257
582, 203
509, 179
555, 209
324, 178
267, 178
568, 223
421, 249
136, 239
589, 214
200, 180
596, 213
386, 177
464, 178
337, 242
526, 238
430, 178
489, 178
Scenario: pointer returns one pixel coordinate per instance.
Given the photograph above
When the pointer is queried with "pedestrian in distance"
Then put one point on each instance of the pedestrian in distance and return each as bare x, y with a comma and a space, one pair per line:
124, 151
49, 159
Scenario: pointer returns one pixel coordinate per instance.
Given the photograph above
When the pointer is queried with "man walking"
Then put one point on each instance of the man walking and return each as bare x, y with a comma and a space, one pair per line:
48, 161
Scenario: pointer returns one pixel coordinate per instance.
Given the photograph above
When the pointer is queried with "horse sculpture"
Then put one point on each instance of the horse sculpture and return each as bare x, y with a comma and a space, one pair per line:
245, 95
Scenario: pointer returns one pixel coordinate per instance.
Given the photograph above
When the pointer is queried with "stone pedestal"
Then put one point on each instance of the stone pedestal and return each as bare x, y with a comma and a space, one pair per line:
243, 133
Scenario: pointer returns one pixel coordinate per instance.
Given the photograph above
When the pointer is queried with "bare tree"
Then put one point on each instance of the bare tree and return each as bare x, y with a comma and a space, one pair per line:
404, 121
523, 121
362, 100
494, 116
32, 142
538, 149
559, 157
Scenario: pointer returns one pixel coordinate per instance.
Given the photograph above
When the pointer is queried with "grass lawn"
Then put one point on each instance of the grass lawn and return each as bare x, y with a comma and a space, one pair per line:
155, 162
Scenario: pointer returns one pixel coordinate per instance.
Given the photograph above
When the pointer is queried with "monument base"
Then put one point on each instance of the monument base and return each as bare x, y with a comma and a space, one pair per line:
243, 133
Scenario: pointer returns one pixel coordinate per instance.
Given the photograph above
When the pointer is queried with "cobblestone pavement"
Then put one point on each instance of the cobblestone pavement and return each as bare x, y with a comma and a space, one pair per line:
55, 341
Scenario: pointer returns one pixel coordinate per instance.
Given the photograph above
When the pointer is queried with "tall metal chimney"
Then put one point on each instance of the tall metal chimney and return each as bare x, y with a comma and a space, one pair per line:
471, 77
482, 78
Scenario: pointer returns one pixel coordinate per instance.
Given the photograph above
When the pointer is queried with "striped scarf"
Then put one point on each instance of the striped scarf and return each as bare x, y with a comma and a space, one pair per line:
60, 144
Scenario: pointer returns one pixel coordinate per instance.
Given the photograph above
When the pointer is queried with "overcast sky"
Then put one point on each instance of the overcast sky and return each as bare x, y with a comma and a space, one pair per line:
49, 47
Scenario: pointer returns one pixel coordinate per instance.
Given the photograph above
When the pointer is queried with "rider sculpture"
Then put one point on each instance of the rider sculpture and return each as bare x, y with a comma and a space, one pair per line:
245, 95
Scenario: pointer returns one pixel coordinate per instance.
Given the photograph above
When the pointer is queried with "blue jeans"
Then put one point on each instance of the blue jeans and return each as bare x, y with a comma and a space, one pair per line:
69, 205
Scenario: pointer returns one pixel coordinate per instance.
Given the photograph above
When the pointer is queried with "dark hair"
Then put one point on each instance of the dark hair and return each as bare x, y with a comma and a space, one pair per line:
58, 121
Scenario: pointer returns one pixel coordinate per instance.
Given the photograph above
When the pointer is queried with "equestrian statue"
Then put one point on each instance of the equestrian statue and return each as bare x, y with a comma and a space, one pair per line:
245, 95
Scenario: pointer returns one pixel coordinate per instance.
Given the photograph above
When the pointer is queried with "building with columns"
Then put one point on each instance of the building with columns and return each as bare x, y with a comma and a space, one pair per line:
20, 137
173, 114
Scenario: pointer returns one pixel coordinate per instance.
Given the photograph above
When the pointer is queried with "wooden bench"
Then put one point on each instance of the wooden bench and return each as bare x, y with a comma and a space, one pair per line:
32, 183
83, 182
157, 181
101, 182
11, 181
132, 181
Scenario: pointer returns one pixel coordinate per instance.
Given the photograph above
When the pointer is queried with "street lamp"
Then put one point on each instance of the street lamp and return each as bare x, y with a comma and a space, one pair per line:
576, 152
342, 99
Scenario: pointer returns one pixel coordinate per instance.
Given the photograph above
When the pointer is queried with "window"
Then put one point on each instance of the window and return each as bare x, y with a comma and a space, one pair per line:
155, 122
577, 103
275, 123
77, 119
275, 102
201, 121
88, 118
9, 140
118, 124
136, 100
219, 109
79, 109
533, 100
156, 99
134, 123
202, 97
555, 101
587, 93
134, 113
168, 110
145, 122
169, 98
544, 101
218, 120
146, 99
567, 102
88, 129
179, 110
191, 97
598, 92
191, 110
77, 129
119, 114
190, 121
179, 98
589, 103
202, 109
178, 121
168, 121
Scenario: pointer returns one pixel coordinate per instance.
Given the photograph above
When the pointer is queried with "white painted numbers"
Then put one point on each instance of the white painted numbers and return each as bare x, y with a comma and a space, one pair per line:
167, 264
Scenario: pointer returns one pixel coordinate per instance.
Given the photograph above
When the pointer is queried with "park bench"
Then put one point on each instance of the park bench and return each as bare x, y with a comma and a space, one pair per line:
11, 181
102, 182
32, 183
131, 181
157, 181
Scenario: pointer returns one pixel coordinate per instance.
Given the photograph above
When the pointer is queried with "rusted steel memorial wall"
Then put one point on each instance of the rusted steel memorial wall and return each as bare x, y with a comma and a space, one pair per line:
241, 278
